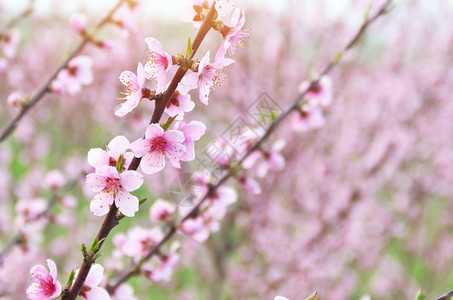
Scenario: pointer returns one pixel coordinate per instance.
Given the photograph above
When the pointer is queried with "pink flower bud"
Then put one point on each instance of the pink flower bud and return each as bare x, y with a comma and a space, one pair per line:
15, 99
78, 23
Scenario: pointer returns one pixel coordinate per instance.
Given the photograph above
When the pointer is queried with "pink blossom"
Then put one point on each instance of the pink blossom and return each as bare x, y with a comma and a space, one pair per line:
45, 285
161, 210
280, 298
77, 73
140, 240
213, 211
250, 185
196, 228
321, 95
164, 269
15, 99
235, 36
196, 12
266, 160
157, 146
192, 132
123, 292
134, 90
78, 22
179, 104
207, 76
113, 187
54, 180
224, 7
118, 146
308, 118
126, 16
30, 208
90, 289
10, 42
159, 63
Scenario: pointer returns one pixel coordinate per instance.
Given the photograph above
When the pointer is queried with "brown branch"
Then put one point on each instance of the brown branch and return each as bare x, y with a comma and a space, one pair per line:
447, 296
110, 220
46, 87
212, 189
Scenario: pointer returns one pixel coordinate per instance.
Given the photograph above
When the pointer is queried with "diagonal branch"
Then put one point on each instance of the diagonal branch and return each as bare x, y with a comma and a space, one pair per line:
46, 87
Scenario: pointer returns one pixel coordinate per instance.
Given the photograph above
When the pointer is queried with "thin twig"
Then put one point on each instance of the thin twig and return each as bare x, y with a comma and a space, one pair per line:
212, 189
46, 87
447, 296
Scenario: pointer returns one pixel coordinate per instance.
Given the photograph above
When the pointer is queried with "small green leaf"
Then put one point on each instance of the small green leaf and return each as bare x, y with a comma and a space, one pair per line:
338, 56
142, 201
94, 245
71, 278
420, 295
84, 249
168, 123
119, 164
313, 296
189, 49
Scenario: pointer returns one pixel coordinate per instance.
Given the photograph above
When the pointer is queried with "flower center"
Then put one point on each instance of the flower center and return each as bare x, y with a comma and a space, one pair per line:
159, 144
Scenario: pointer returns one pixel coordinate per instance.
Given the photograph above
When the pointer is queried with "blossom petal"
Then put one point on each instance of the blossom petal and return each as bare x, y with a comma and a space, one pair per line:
101, 203
174, 136
154, 45
140, 147
129, 79
53, 269
131, 180
95, 182
194, 130
127, 204
117, 146
153, 162
153, 131
94, 277
98, 157
97, 293
189, 82
174, 153
141, 76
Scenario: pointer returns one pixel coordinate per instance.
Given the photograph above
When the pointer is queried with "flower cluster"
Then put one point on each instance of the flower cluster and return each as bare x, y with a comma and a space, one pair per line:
112, 176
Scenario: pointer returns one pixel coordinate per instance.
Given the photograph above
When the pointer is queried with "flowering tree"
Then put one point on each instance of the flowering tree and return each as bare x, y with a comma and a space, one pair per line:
321, 192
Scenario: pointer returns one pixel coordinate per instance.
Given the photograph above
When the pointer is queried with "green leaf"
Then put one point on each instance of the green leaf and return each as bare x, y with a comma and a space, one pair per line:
119, 164
71, 278
168, 123
189, 49
142, 201
420, 295
84, 249
313, 296
338, 56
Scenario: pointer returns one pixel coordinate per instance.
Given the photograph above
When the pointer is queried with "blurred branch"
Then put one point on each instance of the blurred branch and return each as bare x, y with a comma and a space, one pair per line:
28, 10
46, 88
19, 238
447, 296
110, 220
213, 188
